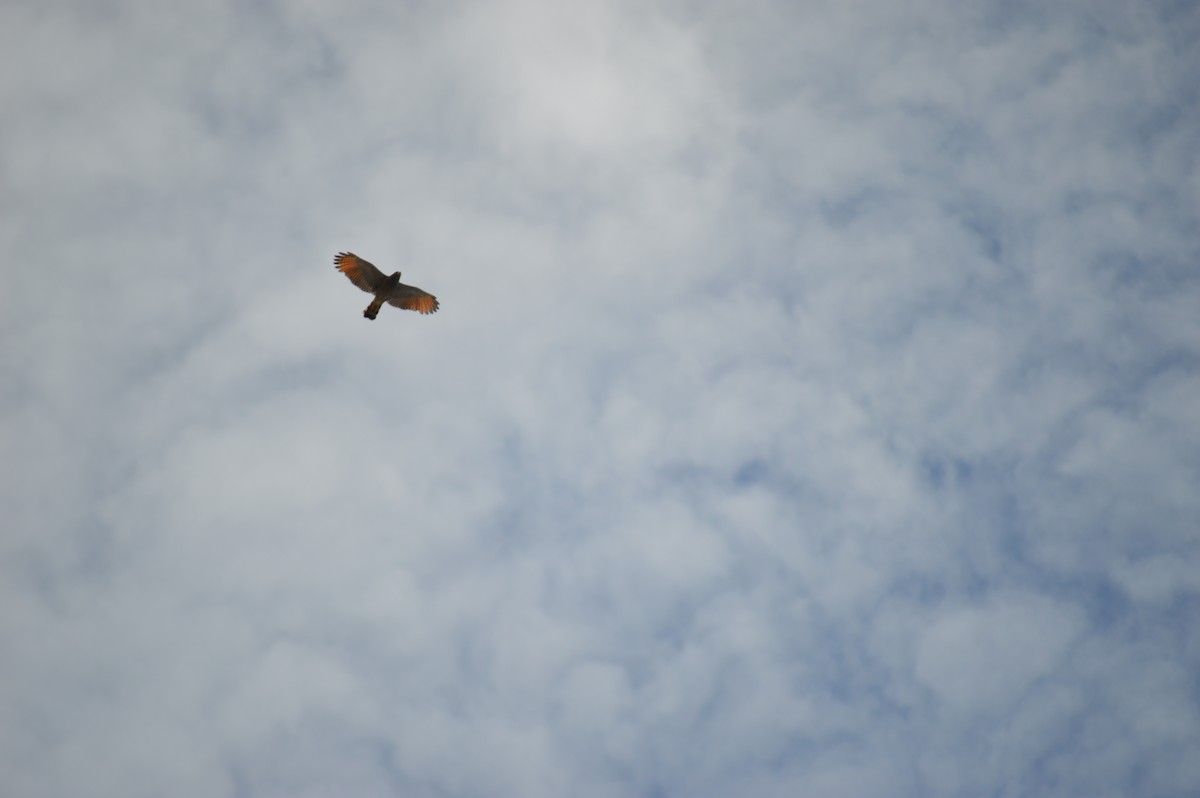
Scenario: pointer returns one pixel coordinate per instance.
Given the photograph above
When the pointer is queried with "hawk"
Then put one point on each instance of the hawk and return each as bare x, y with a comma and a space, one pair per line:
386, 289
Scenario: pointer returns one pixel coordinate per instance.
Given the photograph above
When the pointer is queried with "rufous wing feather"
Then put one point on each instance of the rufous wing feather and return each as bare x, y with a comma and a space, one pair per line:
412, 298
361, 272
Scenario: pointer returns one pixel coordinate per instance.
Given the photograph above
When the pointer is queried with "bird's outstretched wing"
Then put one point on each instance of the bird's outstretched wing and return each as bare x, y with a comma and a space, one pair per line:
362, 273
410, 297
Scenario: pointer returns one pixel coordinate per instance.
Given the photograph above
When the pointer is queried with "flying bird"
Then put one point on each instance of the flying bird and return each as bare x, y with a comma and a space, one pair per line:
386, 289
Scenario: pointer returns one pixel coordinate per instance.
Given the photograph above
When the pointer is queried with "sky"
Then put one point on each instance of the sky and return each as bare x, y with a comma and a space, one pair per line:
812, 408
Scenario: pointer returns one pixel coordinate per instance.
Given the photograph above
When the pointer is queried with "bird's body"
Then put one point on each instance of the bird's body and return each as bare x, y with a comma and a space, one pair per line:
386, 288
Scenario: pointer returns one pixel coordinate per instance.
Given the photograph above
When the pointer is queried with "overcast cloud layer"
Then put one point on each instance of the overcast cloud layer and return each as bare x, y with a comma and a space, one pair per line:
812, 409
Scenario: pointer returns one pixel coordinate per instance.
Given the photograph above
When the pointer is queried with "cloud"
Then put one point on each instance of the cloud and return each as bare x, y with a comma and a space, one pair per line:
986, 657
810, 408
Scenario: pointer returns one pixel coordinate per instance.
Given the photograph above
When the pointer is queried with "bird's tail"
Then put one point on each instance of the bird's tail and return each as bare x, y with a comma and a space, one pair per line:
373, 309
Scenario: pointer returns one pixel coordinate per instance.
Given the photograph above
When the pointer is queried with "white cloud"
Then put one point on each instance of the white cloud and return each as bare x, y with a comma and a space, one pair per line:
810, 409
981, 658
